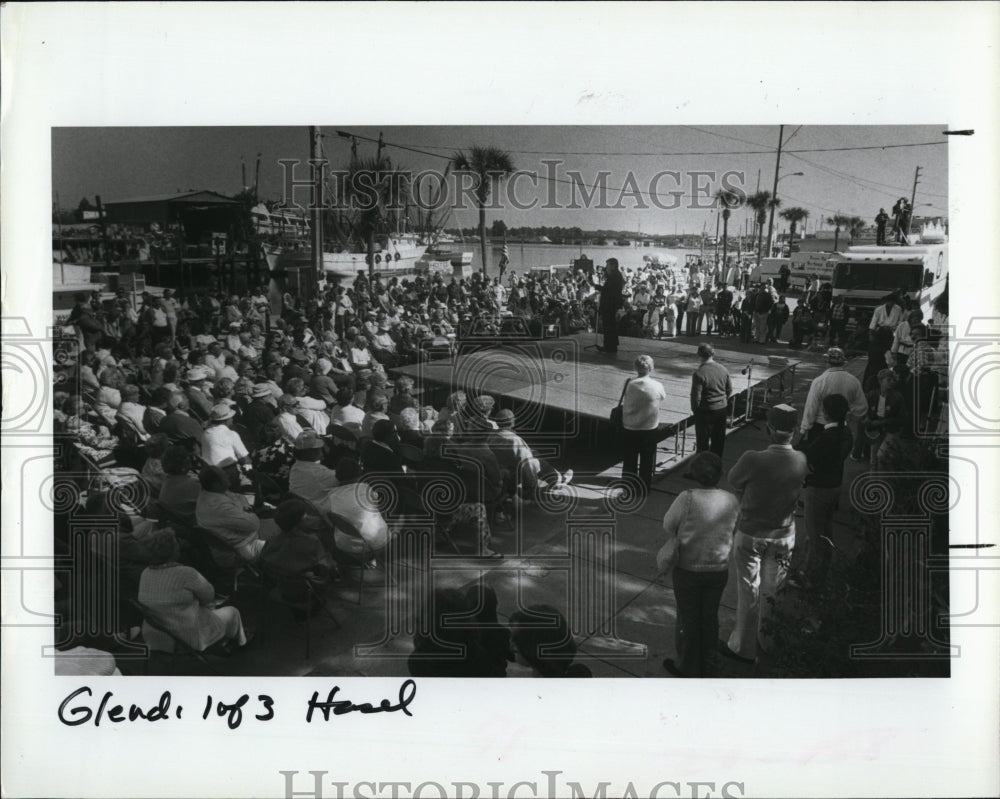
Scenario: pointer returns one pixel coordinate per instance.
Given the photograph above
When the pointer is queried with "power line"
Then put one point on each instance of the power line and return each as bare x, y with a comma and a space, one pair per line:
863, 182
655, 154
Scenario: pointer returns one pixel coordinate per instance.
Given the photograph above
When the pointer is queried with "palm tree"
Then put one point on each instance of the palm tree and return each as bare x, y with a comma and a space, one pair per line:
838, 221
489, 165
793, 216
729, 200
855, 227
759, 202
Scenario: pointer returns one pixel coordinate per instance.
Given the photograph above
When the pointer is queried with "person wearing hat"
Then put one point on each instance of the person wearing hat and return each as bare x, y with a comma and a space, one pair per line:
517, 460
383, 346
296, 367
198, 391
699, 525
290, 427
259, 411
768, 483
835, 380
308, 478
611, 301
219, 440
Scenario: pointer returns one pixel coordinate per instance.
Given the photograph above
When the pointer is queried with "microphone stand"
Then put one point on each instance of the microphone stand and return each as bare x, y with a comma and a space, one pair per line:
748, 371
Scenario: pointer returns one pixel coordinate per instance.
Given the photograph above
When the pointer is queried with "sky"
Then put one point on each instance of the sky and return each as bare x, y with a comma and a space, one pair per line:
119, 163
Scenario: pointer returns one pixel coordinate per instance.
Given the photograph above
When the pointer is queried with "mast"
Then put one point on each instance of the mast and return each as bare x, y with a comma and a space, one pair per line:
315, 207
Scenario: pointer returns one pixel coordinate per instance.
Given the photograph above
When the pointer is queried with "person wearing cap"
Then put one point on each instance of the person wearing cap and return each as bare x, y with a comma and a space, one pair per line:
611, 301
296, 367
835, 380
220, 441
768, 483
711, 388
290, 427
699, 526
518, 461
308, 478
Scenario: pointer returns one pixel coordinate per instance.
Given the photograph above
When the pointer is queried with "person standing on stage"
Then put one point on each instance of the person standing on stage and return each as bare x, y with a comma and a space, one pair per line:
768, 483
611, 301
711, 389
641, 420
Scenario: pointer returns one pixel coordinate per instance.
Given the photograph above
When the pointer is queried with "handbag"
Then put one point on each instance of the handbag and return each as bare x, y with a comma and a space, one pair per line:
617, 414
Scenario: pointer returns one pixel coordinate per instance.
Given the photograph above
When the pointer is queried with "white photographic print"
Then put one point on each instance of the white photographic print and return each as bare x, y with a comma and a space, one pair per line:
399, 357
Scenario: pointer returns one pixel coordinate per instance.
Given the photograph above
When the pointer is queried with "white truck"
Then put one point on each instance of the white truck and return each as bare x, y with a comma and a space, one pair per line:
802, 267
864, 275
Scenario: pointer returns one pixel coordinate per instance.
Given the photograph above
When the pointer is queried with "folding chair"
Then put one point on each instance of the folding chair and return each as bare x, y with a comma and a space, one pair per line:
180, 647
310, 597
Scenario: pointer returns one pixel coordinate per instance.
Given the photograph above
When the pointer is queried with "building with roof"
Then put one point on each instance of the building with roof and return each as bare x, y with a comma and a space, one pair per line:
167, 209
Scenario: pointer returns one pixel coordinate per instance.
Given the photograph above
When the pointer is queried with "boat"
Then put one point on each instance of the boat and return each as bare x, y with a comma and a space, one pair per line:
395, 256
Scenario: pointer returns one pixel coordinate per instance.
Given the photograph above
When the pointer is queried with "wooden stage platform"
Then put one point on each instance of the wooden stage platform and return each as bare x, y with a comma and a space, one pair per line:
568, 375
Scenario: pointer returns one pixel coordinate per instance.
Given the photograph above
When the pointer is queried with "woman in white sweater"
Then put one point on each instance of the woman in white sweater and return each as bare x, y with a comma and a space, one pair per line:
699, 527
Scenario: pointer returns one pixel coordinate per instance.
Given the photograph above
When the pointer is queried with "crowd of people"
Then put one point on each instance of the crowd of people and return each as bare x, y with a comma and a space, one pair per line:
263, 432
264, 441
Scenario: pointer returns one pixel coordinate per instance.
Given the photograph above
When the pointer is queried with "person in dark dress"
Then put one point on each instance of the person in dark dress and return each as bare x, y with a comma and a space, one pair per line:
611, 301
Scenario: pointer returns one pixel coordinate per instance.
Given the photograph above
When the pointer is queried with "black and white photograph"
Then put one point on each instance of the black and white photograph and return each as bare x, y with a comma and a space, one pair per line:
371, 405
389, 367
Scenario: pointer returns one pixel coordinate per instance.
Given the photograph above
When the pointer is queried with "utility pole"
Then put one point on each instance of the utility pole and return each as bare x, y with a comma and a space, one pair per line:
913, 198
774, 190
316, 206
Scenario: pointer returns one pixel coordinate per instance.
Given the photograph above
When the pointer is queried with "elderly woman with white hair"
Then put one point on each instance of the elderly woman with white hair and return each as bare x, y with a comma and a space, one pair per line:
641, 400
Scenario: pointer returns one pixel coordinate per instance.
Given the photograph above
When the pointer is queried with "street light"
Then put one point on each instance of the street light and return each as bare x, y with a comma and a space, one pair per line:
770, 221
